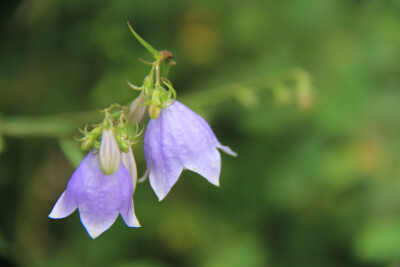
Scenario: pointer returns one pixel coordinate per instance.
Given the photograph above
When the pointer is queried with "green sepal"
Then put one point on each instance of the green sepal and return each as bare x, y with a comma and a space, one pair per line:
149, 48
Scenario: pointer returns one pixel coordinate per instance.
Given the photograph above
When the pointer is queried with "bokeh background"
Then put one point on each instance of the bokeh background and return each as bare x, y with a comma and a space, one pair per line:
306, 91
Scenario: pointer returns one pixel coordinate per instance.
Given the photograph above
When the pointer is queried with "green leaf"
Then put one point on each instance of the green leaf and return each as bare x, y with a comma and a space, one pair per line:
149, 48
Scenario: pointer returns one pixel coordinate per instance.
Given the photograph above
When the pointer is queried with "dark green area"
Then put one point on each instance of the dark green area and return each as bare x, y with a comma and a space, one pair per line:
317, 179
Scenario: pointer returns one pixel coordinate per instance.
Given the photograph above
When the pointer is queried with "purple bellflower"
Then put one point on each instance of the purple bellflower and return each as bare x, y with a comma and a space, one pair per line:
180, 139
99, 197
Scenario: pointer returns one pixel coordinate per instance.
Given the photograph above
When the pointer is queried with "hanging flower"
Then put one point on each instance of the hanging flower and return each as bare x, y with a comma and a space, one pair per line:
99, 197
180, 139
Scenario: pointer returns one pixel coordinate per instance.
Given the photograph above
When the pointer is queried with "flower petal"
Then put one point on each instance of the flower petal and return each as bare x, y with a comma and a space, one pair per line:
207, 165
160, 152
202, 124
96, 223
227, 150
127, 210
128, 214
196, 142
129, 162
99, 196
64, 207
181, 139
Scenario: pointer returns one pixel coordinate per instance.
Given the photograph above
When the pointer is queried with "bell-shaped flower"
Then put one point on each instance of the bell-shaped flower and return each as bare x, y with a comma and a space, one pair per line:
180, 139
99, 197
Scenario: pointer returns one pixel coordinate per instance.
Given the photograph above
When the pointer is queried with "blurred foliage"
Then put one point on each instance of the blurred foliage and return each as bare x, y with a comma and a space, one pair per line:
315, 183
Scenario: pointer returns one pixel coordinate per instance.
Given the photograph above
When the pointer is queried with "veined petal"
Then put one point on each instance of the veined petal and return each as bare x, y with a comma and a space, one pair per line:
197, 150
207, 165
161, 152
181, 139
99, 196
64, 207
202, 124
94, 222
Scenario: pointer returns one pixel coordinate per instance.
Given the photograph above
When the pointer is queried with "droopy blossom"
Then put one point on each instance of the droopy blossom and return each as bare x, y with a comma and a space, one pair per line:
180, 139
99, 197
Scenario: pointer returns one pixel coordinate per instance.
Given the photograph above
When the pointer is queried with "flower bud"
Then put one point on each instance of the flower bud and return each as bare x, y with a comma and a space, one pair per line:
154, 111
148, 83
109, 153
87, 142
137, 111
124, 145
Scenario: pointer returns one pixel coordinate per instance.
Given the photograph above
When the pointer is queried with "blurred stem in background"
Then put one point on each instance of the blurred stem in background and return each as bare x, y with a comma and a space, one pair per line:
65, 124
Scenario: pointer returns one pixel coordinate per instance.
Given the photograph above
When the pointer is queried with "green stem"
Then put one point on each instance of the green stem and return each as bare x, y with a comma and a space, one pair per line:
49, 126
214, 96
66, 124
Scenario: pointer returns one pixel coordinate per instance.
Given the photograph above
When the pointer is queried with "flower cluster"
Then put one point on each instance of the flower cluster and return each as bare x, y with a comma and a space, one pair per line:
176, 138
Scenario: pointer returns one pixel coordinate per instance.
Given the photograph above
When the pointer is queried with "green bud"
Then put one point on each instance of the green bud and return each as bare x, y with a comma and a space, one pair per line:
154, 111
121, 141
148, 83
87, 142
124, 146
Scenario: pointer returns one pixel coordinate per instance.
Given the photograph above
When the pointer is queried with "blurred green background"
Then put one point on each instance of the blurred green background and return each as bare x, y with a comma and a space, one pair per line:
307, 92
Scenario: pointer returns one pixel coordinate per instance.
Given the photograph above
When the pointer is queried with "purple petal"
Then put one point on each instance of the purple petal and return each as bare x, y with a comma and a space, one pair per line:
127, 210
205, 128
64, 207
96, 222
99, 196
180, 139
129, 162
160, 153
128, 214
227, 150
196, 143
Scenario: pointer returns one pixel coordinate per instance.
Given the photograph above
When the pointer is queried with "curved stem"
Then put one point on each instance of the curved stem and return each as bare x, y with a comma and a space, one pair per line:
66, 124
49, 126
